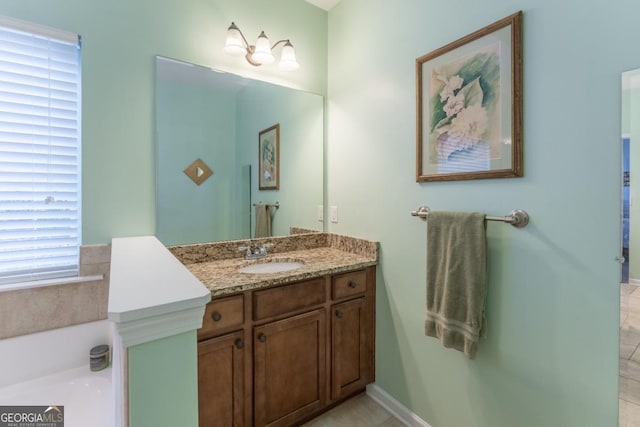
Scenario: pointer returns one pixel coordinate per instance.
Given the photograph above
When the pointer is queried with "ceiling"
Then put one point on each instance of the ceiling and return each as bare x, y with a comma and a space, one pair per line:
324, 4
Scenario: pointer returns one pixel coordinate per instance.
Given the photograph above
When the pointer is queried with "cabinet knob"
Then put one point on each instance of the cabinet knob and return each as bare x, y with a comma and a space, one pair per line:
262, 337
239, 343
216, 316
339, 314
353, 285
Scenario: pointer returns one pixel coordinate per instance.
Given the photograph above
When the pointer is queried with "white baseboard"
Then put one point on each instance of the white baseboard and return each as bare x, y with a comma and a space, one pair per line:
634, 282
396, 408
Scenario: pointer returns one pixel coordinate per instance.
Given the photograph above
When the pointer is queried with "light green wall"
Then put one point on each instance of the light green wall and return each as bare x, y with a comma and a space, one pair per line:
551, 354
120, 39
163, 382
300, 115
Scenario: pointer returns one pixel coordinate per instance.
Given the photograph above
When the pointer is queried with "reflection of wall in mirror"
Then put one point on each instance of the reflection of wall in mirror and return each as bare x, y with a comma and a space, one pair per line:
298, 151
197, 116
195, 122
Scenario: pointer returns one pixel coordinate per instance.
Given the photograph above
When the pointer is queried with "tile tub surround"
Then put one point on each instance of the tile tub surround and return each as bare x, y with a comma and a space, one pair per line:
216, 264
25, 311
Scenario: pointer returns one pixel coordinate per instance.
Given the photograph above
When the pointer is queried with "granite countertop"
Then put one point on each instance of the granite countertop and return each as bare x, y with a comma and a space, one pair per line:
326, 255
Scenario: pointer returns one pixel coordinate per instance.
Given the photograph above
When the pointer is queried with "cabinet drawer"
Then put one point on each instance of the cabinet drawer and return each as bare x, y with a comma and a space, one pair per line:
222, 315
348, 284
289, 298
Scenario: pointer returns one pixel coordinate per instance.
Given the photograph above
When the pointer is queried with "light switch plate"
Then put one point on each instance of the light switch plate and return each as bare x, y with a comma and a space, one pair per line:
334, 214
320, 213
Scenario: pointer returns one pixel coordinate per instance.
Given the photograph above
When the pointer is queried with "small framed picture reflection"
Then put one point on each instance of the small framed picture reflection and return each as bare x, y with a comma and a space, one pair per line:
269, 158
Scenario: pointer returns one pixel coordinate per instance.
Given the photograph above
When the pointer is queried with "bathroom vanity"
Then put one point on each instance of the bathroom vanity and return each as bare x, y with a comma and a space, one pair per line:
278, 348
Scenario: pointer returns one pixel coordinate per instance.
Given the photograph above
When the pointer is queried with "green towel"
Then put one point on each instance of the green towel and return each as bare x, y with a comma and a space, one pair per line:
456, 279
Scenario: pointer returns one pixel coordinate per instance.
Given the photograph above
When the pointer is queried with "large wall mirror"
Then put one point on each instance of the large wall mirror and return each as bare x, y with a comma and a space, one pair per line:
217, 118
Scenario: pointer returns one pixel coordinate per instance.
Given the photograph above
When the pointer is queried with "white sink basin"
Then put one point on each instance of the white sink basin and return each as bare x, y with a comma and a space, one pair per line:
271, 267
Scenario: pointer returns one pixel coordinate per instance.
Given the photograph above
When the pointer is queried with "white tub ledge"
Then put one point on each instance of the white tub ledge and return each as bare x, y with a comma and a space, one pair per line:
151, 294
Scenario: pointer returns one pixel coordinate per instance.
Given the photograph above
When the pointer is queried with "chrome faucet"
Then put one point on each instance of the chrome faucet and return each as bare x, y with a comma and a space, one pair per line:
255, 251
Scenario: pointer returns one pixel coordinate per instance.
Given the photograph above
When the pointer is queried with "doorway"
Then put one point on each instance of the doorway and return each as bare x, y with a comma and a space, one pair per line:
626, 200
629, 373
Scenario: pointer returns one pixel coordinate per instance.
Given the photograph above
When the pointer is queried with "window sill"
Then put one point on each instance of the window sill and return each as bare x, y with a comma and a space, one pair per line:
50, 282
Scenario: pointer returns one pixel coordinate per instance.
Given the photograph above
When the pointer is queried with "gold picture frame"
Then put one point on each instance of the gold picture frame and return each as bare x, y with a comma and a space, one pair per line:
469, 106
269, 158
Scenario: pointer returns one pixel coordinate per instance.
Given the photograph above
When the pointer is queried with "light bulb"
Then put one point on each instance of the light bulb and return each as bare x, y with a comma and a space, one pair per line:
234, 44
262, 54
288, 59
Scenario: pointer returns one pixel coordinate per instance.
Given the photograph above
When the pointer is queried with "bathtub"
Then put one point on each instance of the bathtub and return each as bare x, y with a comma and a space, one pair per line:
51, 368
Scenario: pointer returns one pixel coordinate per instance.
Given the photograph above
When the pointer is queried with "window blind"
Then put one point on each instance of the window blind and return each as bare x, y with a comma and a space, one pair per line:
39, 152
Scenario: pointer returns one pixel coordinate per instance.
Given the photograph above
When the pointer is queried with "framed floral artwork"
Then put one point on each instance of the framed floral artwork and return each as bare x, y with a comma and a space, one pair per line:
269, 158
469, 106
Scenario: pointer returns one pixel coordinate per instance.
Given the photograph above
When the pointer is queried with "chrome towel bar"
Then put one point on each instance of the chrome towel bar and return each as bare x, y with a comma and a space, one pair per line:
271, 205
518, 218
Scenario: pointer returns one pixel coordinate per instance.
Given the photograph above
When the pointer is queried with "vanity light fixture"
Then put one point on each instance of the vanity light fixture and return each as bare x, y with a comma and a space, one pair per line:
260, 53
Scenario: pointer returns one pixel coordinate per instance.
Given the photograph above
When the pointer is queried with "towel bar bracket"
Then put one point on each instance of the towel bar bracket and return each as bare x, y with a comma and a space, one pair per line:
517, 218
422, 212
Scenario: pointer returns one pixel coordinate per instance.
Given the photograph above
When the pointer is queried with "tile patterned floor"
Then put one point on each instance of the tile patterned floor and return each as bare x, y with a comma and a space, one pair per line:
629, 395
360, 411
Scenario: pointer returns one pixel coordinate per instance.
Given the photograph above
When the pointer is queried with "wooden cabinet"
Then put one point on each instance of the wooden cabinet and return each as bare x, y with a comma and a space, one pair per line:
278, 356
349, 358
221, 381
289, 369
352, 332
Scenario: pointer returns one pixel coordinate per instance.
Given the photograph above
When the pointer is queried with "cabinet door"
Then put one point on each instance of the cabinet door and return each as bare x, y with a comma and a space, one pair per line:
289, 369
221, 381
349, 358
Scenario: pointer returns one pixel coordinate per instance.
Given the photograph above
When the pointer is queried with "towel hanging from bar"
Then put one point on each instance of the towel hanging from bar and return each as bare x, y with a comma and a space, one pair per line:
456, 279
263, 220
